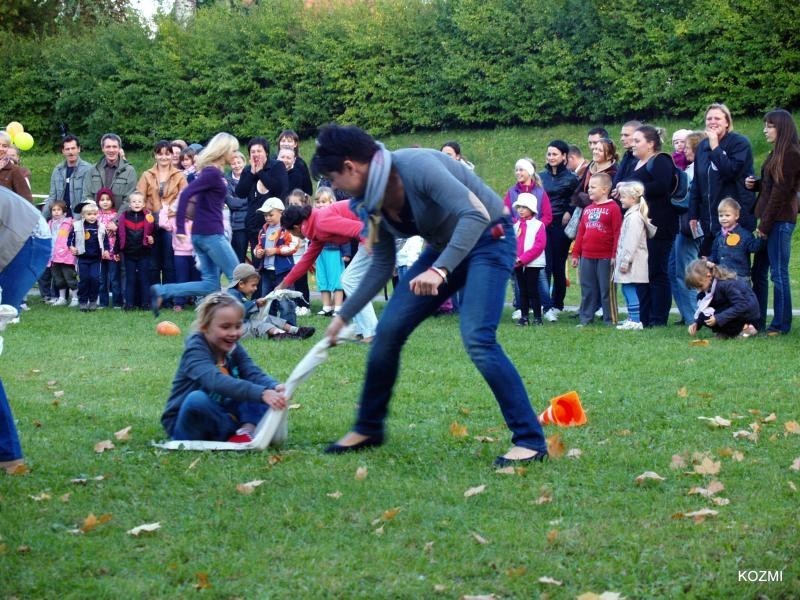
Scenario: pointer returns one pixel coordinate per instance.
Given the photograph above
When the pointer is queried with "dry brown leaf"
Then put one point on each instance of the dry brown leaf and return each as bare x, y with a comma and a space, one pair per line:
574, 453
41, 497
699, 343
647, 477
202, 581
335, 495
747, 435
755, 427
700, 515
720, 501
58, 394
479, 597
124, 435
555, 446
36, 370
439, 588
390, 514
716, 422
479, 538
457, 430
65, 498
550, 581
193, 464
146, 528
484, 438
677, 462
603, 596
737, 456
623, 432
770, 418
90, 522
516, 571
464, 411
552, 536
506, 471
707, 492
37, 423
792, 486
708, 467
294, 406
101, 447
545, 497
23, 549
379, 530
683, 392
474, 491
126, 369
795, 466
428, 547
361, 473
274, 459
249, 487
792, 427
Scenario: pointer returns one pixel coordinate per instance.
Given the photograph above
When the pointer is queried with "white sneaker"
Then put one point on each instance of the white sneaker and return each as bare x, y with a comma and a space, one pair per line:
551, 315
630, 326
302, 311
74, 302
598, 312
60, 302
7, 315
516, 315
24, 306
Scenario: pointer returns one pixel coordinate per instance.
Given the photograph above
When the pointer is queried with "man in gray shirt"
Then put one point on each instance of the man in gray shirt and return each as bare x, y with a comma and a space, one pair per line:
112, 171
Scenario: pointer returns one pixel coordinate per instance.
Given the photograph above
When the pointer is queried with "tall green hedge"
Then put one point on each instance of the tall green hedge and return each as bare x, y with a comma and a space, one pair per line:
403, 65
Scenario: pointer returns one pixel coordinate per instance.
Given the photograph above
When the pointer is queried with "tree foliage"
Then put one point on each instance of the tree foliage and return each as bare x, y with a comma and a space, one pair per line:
255, 68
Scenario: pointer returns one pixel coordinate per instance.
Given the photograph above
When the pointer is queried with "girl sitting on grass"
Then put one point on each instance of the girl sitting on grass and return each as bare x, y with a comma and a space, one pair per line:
725, 304
218, 392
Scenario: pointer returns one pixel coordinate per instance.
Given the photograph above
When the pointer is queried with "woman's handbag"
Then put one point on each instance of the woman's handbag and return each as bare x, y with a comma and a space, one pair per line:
571, 230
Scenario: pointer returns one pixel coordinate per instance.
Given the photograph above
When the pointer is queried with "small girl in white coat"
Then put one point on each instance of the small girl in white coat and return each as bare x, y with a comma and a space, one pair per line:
631, 258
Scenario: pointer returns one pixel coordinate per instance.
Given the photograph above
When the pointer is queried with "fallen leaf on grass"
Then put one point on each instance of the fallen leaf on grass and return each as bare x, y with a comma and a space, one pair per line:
677, 462
390, 514
457, 430
101, 447
505, 471
36, 370
747, 435
479, 597
707, 492
574, 453
552, 536
516, 571
792, 486
249, 487
126, 369
683, 392
545, 497
58, 393
37, 423
716, 422
335, 495
193, 464
770, 418
484, 438
474, 491
603, 596
202, 581
361, 473
550, 581
91, 522
795, 466
274, 459
65, 497
720, 501
439, 588
555, 446
146, 528
379, 530
428, 547
20, 469
23, 549
41, 497
85, 480
697, 515
294, 406
647, 477
792, 427
708, 467
699, 343
479, 538
123, 435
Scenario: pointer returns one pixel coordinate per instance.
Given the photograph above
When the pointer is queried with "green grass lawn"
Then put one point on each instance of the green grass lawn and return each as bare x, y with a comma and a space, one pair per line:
406, 530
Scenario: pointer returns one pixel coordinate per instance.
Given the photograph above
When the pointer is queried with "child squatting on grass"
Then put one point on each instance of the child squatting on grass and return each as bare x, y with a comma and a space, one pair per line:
243, 285
726, 304
218, 392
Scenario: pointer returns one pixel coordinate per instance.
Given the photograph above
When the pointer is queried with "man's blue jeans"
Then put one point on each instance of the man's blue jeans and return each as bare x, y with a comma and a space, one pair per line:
10, 448
24, 270
483, 274
201, 418
215, 254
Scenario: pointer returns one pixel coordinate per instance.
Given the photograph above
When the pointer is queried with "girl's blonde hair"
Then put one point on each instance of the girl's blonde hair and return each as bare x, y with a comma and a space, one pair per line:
326, 192
89, 207
698, 270
634, 189
730, 203
220, 146
210, 305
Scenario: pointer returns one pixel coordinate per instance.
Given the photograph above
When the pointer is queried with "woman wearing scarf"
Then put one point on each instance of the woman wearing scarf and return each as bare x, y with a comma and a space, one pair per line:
471, 245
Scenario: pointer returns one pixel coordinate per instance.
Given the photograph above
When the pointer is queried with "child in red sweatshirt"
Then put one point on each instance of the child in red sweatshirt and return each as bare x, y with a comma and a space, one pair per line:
594, 249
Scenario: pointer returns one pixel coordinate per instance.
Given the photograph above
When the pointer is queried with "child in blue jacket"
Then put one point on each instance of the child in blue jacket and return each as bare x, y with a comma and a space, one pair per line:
218, 392
734, 244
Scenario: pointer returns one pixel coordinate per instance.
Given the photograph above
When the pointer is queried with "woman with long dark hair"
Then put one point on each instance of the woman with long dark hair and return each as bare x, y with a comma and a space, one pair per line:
776, 210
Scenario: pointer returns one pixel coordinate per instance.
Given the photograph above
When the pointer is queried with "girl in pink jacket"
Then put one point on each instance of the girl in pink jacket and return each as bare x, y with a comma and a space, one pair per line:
531, 242
62, 261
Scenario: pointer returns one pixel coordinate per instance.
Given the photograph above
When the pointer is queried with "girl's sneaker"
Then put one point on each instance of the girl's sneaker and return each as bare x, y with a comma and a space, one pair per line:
60, 302
630, 326
74, 302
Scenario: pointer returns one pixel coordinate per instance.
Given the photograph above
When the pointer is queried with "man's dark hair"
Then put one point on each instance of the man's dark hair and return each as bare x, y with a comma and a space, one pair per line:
336, 143
602, 131
259, 141
70, 138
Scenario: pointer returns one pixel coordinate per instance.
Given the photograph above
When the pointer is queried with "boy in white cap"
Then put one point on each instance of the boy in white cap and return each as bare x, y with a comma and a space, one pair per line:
531, 242
242, 287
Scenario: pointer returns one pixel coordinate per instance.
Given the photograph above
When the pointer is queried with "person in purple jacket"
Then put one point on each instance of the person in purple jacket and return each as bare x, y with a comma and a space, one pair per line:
206, 194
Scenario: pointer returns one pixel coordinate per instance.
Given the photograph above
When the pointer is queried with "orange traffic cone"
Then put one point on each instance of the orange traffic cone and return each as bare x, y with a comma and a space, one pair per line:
564, 410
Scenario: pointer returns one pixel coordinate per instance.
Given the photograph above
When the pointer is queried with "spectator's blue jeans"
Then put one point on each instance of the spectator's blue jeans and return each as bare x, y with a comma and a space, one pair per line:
684, 251
110, 281
24, 270
215, 254
201, 418
483, 274
779, 245
10, 448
